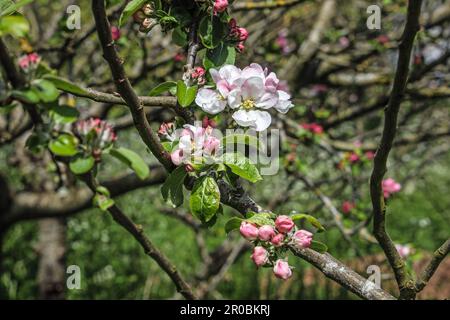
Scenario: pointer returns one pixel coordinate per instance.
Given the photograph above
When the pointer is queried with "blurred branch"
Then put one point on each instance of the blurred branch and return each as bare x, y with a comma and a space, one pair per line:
432, 266
260, 5
404, 281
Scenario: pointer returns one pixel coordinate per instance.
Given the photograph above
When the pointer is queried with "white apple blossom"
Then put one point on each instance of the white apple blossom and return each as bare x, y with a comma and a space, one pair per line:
250, 92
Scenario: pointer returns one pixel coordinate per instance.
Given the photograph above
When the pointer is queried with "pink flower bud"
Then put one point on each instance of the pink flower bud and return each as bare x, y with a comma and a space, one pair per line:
347, 206
403, 250
115, 33
302, 238
240, 47
369, 155
242, 34
232, 23
353, 158
277, 240
177, 157
282, 270
211, 145
260, 256
220, 5
189, 168
284, 224
179, 57
266, 232
248, 231
390, 186
207, 122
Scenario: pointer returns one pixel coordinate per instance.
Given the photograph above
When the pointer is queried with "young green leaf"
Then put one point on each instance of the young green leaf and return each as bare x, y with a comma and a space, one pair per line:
219, 56
233, 224
45, 90
17, 26
63, 114
65, 85
9, 7
163, 87
261, 219
172, 189
132, 160
103, 202
211, 31
318, 246
28, 96
130, 9
65, 145
241, 166
185, 94
313, 221
205, 198
81, 165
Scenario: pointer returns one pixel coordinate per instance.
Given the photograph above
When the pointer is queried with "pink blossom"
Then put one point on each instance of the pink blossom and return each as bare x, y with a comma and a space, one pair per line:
220, 5
313, 128
248, 231
347, 206
277, 240
282, 269
353, 158
284, 224
260, 256
369, 155
211, 145
266, 232
344, 42
403, 250
166, 130
199, 74
207, 122
242, 34
177, 157
240, 47
302, 238
29, 61
390, 186
179, 57
232, 23
104, 133
115, 33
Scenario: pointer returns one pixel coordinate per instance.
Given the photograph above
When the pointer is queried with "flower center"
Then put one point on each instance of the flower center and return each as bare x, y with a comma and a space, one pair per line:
248, 104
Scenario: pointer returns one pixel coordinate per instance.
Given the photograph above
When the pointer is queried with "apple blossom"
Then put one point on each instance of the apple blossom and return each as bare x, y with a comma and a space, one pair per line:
115, 33
403, 250
277, 240
282, 269
220, 5
347, 206
302, 238
250, 92
100, 130
284, 224
260, 256
29, 61
248, 231
313, 127
266, 232
369, 155
390, 186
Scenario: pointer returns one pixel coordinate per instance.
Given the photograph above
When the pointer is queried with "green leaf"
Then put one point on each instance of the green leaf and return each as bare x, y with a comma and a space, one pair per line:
163, 87
132, 160
245, 139
185, 94
81, 165
233, 224
313, 221
130, 9
179, 37
65, 145
261, 219
28, 96
64, 114
9, 7
17, 26
103, 202
45, 90
172, 189
241, 166
211, 31
205, 198
318, 246
219, 56
65, 85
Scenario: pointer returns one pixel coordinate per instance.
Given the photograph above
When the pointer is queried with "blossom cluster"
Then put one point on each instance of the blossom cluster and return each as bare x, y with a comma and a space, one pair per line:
237, 34
29, 61
249, 93
95, 133
269, 239
194, 144
390, 186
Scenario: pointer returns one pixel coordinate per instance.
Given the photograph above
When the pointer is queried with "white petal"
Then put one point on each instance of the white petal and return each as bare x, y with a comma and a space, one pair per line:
252, 88
234, 98
229, 72
267, 101
284, 102
210, 101
243, 118
262, 119
254, 70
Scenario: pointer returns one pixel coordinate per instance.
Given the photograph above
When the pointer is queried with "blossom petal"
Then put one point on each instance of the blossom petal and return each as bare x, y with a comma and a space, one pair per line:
259, 120
284, 102
252, 88
210, 101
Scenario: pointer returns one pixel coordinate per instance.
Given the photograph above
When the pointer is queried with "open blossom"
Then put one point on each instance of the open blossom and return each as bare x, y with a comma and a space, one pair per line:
403, 250
29, 61
266, 232
220, 5
248, 231
347, 206
260, 256
250, 93
284, 224
302, 238
195, 143
282, 269
390, 186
